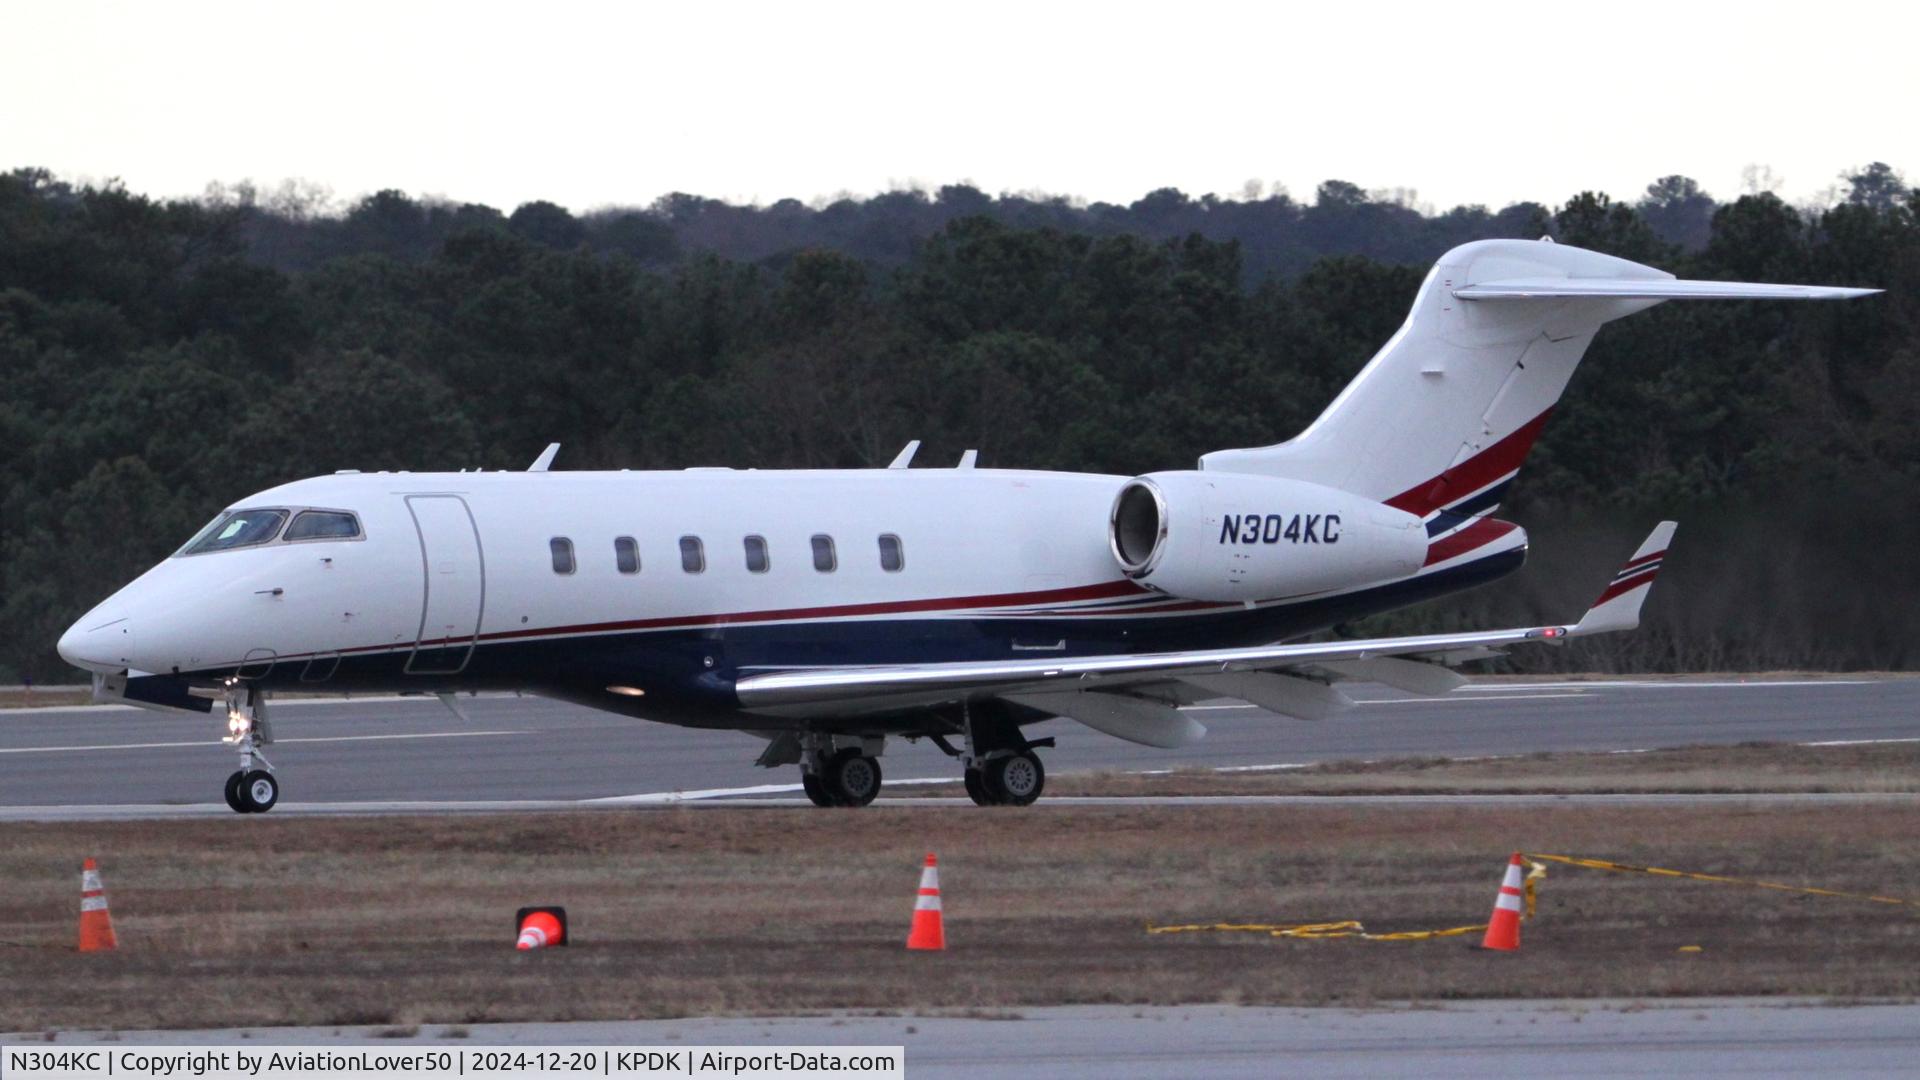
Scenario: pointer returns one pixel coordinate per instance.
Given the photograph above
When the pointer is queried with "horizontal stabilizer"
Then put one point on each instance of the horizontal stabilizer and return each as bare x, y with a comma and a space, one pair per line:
1552, 288
1618, 607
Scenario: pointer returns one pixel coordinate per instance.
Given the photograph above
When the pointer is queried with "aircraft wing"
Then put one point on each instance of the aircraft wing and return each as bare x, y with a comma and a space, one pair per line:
1137, 696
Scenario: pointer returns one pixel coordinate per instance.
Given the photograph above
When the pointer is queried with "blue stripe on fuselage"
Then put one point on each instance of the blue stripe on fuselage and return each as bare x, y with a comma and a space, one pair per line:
688, 673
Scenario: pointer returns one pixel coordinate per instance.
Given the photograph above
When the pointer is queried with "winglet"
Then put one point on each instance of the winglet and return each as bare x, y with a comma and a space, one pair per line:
1618, 607
541, 463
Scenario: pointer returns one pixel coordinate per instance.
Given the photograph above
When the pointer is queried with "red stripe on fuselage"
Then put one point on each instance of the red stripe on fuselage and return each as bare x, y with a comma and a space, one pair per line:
892, 607
1472, 474
1479, 534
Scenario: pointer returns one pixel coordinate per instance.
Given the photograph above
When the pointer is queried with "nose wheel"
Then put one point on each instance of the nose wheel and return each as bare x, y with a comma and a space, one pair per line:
251, 789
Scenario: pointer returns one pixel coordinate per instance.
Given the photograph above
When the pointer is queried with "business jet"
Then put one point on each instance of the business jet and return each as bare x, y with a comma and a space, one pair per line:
829, 610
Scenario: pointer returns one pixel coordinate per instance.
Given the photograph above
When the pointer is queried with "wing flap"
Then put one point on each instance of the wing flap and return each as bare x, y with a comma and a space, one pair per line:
1123, 716
1287, 695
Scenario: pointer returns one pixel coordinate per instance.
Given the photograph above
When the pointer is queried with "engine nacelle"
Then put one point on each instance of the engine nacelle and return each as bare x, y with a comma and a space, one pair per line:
1235, 536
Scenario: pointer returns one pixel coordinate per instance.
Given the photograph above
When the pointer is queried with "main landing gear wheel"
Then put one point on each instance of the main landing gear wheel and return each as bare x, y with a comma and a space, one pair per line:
853, 779
233, 791
1014, 780
976, 788
816, 790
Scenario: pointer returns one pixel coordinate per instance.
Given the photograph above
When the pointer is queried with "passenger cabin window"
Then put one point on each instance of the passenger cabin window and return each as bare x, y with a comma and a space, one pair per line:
757, 561
893, 558
323, 525
241, 528
626, 554
824, 560
693, 557
562, 554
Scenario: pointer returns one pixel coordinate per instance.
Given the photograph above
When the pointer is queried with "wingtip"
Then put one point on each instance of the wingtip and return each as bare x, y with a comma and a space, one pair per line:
1618, 605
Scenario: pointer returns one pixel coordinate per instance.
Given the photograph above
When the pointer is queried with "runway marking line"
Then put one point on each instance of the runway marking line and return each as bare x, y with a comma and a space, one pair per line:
276, 742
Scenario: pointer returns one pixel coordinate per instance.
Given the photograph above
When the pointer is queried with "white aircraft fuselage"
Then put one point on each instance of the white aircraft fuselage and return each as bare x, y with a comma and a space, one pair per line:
828, 610
452, 585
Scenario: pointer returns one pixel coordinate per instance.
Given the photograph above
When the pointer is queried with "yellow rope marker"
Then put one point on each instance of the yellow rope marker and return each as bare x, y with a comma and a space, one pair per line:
1602, 864
1536, 873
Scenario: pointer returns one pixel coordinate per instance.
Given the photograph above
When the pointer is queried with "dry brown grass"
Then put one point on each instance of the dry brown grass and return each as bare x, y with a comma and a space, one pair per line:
1752, 767
404, 921
44, 697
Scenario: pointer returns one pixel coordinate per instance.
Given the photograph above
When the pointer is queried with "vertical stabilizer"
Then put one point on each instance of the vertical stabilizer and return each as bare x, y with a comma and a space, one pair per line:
1442, 417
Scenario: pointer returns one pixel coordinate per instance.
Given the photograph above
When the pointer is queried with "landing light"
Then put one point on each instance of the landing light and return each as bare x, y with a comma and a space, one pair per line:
238, 724
627, 691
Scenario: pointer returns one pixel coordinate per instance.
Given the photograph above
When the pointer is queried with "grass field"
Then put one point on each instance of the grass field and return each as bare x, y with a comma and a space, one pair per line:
408, 920
1753, 767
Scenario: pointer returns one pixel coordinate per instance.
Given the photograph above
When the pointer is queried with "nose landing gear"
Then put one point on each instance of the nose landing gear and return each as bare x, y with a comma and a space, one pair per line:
249, 790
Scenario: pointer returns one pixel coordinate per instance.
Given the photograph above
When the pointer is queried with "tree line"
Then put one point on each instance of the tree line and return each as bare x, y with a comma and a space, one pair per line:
163, 358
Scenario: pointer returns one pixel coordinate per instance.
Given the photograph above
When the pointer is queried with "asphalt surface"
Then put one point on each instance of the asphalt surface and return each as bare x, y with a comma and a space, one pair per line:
530, 750
1699, 1039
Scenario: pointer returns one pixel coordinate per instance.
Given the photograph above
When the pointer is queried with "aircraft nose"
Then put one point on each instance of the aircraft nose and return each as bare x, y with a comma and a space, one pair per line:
99, 643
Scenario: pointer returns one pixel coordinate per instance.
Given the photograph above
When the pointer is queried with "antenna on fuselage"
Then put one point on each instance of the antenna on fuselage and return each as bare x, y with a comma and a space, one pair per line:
967, 459
545, 459
905, 457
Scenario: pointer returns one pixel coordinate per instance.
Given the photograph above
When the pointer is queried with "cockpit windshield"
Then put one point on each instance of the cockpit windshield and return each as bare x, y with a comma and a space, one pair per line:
237, 529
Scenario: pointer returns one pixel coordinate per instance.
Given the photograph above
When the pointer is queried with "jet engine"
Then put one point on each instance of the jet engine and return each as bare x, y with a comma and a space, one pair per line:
1232, 536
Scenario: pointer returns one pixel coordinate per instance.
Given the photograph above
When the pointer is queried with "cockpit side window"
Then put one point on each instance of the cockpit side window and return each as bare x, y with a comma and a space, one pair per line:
324, 525
241, 528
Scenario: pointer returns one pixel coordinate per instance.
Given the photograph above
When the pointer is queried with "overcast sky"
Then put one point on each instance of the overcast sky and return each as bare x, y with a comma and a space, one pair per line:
589, 105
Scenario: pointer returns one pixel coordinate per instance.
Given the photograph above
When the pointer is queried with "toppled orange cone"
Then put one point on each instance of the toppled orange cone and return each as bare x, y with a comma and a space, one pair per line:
541, 927
1503, 930
928, 931
96, 923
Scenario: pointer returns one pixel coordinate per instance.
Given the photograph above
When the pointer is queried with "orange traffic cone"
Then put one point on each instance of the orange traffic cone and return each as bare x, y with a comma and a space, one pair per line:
541, 927
96, 924
928, 932
1503, 930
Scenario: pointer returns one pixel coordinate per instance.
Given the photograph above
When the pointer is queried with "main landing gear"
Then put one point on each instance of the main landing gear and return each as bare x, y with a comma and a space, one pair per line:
1001, 766
1012, 779
250, 790
840, 775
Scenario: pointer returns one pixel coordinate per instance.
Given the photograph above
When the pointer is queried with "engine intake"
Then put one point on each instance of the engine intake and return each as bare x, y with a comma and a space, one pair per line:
1232, 537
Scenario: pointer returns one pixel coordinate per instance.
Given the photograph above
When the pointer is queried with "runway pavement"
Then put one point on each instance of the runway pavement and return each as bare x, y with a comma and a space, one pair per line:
525, 750
1702, 1038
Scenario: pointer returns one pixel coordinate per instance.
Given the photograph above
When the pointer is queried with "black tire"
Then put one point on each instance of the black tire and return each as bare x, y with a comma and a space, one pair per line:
853, 778
977, 788
260, 791
233, 792
816, 790
1015, 780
